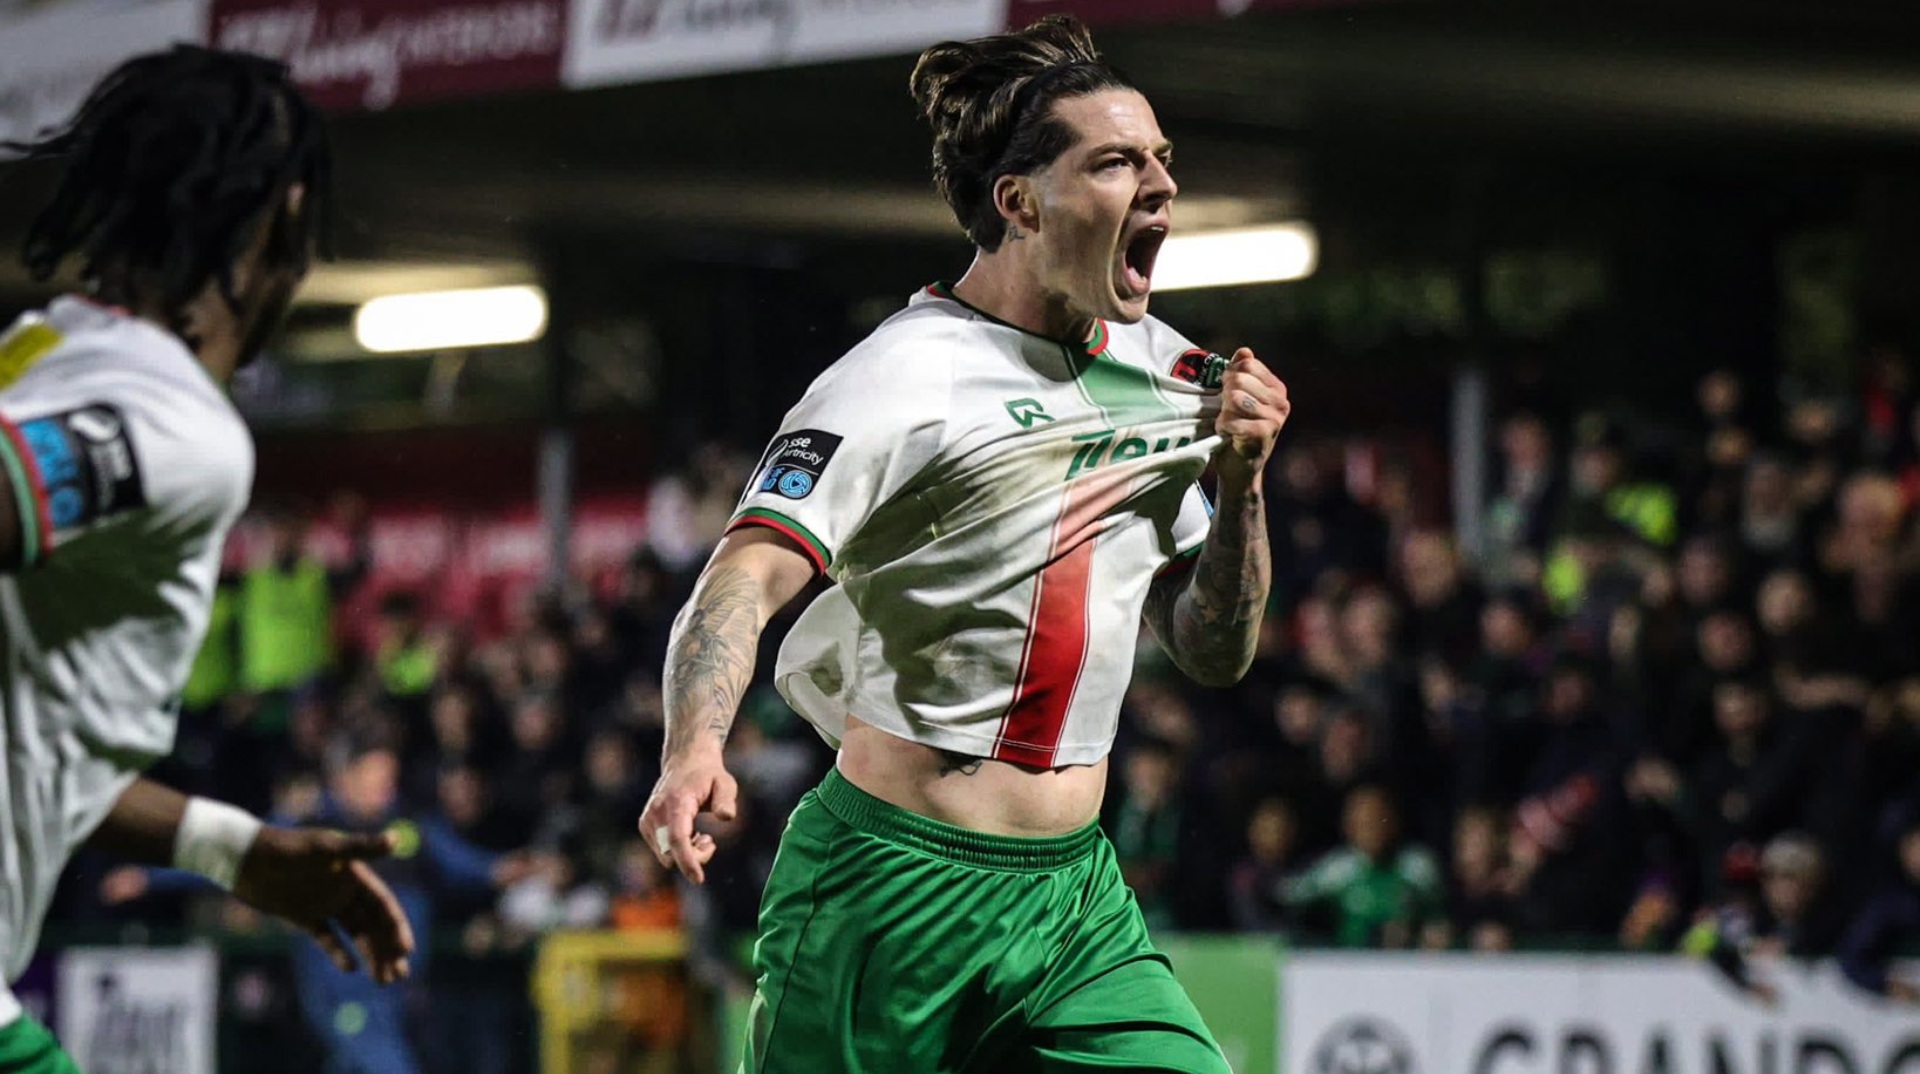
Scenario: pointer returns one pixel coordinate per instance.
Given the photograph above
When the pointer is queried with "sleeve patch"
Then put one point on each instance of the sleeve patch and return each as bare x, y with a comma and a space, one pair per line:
1203, 369
795, 462
87, 460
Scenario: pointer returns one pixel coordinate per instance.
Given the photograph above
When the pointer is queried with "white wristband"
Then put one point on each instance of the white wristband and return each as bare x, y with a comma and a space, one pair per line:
213, 838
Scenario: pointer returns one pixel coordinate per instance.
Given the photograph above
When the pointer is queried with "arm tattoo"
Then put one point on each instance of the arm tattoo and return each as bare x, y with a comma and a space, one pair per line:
1209, 623
951, 762
710, 658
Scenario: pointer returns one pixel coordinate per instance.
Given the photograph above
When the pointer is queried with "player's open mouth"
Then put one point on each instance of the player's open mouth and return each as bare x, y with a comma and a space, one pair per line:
1136, 260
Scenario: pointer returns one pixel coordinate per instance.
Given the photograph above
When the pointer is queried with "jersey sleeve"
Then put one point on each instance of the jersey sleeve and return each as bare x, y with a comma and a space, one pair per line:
100, 452
1190, 528
859, 436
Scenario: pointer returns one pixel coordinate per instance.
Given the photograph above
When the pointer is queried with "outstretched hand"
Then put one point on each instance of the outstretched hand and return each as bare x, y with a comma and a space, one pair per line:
316, 878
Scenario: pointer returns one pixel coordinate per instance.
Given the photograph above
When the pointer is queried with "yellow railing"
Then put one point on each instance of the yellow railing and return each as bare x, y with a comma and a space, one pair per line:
576, 986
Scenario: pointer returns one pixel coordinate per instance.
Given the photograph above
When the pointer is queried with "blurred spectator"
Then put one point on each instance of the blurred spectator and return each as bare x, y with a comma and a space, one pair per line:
1380, 890
1479, 905
556, 893
1257, 879
406, 658
1521, 518
1774, 905
1569, 854
1889, 921
287, 598
1146, 828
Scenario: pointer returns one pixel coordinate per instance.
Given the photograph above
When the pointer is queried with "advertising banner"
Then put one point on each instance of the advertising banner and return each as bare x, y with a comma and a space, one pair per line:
1524, 1014
637, 40
129, 1010
56, 50
372, 54
1120, 12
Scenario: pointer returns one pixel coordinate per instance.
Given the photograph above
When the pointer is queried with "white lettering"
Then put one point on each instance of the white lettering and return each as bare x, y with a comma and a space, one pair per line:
378, 53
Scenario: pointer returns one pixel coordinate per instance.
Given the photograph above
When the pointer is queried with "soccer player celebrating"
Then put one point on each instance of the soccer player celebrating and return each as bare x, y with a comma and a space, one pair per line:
190, 188
1002, 480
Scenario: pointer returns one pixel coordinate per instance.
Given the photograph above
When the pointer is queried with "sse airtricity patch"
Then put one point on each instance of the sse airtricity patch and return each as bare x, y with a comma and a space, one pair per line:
795, 462
86, 458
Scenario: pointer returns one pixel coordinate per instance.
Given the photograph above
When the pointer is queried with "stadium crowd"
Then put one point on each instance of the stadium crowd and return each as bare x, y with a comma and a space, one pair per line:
1671, 701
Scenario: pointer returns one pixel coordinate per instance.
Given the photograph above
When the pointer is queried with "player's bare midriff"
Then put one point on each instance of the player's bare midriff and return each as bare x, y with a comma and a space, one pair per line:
992, 797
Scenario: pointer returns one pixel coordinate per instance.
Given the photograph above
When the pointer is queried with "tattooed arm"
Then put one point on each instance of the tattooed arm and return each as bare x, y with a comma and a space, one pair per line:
1208, 618
1209, 621
710, 660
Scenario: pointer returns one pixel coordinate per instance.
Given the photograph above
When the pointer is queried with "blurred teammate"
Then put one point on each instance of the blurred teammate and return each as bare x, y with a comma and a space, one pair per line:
1001, 479
190, 185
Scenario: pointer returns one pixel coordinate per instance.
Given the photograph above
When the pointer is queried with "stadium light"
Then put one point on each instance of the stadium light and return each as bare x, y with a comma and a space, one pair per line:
441, 320
1240, 255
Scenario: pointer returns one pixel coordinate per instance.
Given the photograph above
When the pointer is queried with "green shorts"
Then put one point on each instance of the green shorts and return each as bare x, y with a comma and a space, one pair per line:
27, 1048
895, 944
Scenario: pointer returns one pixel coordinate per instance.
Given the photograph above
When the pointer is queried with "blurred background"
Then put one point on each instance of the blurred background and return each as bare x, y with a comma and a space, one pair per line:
1585, 733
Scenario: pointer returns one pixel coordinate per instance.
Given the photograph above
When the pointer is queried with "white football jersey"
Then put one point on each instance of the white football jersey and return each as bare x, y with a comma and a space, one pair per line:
994, 505
130, 464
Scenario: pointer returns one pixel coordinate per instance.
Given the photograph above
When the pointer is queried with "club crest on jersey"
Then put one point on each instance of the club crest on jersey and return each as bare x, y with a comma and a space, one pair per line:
795, 461
1203, 369
86, 460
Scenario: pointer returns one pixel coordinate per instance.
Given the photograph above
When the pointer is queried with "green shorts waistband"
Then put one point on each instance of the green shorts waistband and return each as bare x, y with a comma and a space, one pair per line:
863, 812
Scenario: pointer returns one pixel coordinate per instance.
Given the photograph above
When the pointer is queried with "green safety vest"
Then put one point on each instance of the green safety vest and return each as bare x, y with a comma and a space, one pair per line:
409, 670
286, 627
217, 664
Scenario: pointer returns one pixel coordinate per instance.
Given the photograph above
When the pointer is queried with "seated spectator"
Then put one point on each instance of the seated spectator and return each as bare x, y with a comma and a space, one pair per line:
1773, 906
1885, 925
1479, 904
1255, 881
1381, 891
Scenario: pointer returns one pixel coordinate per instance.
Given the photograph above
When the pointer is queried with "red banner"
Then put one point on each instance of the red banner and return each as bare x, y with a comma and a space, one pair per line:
1116, 12
355, 54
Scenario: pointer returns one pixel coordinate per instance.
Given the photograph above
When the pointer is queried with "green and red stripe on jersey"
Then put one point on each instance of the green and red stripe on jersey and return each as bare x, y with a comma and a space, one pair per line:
29, 494
1055, 653
815, 549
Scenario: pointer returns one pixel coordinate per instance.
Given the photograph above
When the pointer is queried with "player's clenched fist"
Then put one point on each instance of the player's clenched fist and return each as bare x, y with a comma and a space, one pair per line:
1253, 409
689, 786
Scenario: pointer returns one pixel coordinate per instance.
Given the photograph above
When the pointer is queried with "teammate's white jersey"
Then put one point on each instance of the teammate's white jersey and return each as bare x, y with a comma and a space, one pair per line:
130, 465
994, 506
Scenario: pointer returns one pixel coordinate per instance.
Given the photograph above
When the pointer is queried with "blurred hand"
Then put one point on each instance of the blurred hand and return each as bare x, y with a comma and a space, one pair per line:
123, 885
1903, 991
515, 867
690, 785
1253, 409
314, 878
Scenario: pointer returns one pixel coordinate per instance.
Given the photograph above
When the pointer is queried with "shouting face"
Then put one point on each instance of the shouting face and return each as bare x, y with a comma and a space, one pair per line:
1099, 211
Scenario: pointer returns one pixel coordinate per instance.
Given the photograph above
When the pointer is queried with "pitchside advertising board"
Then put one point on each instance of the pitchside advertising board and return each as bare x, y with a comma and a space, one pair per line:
125, 1010
1461, 1014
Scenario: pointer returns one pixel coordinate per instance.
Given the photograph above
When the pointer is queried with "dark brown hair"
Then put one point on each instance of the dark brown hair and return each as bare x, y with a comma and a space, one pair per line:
990, 103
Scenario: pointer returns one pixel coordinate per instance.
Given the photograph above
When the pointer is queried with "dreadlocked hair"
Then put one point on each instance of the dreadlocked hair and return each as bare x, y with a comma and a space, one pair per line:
167, 167
990, 104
